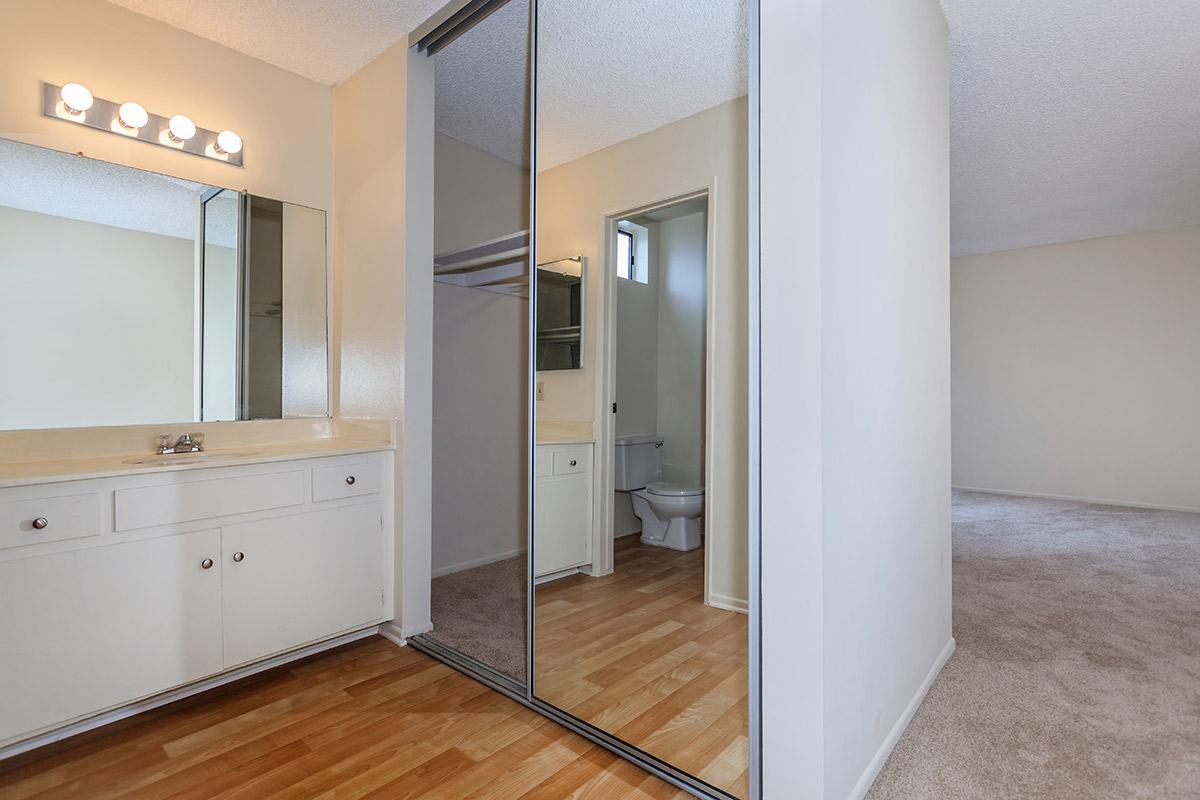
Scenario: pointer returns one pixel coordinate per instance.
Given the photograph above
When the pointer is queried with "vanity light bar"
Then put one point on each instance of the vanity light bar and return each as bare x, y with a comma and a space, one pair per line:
74, 103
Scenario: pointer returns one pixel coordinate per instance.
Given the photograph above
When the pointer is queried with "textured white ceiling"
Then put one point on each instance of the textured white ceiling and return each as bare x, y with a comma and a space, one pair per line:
609, 71
65, 185
1072, 119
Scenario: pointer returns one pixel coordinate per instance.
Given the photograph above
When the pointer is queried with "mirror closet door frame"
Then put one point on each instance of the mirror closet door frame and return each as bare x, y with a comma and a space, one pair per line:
631, 753
443, 27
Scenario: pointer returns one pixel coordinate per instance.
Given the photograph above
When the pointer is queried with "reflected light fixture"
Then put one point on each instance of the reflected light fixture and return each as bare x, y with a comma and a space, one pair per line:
76, 98
132, 116
180, 129
228, 143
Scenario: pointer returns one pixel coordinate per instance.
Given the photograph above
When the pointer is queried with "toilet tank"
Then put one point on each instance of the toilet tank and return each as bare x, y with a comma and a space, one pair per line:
638, 462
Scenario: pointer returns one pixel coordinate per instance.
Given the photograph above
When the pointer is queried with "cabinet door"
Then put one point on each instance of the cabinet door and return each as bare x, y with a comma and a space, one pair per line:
562, 524
85, 630
294, 580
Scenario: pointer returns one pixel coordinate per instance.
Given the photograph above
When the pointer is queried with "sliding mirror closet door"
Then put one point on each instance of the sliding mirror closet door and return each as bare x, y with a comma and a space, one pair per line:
640, 480
479, 592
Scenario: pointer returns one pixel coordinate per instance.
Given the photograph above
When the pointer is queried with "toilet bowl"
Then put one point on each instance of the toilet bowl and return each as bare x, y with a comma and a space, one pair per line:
670, 514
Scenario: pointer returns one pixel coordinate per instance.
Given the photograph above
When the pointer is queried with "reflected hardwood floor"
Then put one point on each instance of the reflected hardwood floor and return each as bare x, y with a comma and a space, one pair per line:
370, 720
638, 654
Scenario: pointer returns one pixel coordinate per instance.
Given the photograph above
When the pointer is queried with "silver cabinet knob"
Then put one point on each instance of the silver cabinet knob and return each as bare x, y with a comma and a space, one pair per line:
238, 556
40, 523
350, 480
574, 462
206, 563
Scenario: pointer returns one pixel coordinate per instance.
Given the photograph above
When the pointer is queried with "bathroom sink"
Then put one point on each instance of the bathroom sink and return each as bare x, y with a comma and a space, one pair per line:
191, 458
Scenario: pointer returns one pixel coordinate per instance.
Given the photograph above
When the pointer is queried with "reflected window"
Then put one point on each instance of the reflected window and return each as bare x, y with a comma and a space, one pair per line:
625, 255
633, 251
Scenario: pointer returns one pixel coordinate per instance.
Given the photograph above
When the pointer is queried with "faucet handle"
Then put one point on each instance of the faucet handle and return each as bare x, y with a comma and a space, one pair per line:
198, 440
164, 443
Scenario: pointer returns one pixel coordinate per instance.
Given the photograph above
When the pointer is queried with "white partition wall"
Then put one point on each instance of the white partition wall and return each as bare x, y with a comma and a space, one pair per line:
855, 384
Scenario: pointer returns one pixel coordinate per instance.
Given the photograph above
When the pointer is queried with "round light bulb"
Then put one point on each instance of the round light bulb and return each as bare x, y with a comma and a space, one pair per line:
228, 143
181, 128
76, 98
132, 115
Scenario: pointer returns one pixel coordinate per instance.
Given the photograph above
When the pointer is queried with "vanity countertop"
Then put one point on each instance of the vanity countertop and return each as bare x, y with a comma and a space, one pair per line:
73, 469
556, 432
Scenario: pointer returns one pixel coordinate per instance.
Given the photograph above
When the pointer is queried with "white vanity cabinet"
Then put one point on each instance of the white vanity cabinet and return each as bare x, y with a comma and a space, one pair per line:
563, 507
87, 629
114, 590
292, 580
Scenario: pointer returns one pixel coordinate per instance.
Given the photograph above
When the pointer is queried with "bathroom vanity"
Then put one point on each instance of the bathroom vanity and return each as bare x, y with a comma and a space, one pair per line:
123, 581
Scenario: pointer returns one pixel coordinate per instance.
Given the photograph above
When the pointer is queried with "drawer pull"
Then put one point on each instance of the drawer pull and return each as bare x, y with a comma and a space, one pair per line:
574, 463
40, 523
238, 556
206, 563
350, 481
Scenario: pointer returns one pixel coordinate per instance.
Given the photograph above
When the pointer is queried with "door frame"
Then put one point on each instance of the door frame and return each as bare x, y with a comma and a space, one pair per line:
603, 533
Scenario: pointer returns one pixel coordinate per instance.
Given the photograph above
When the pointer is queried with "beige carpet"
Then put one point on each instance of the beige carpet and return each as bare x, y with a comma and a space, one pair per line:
1077, 673
481, 613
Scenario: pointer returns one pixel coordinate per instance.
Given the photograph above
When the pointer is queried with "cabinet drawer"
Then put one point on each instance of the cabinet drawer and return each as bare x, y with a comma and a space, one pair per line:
345, 480
149, 506
572, 460
55, 518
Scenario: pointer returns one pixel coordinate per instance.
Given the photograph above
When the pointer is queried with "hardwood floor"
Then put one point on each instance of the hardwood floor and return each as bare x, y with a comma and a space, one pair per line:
370, 720
638, 654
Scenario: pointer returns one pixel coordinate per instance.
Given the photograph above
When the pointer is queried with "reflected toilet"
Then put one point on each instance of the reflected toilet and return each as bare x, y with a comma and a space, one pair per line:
670, 512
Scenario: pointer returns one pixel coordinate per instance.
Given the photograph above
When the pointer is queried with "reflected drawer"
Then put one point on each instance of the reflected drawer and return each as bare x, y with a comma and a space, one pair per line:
49, 519
345, 480
572, 460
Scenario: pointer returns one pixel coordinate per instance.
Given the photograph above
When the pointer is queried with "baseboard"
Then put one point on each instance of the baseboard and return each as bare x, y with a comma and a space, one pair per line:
179, 693
391, 631
881, 756
1099, 501
729, 603
413, 630
462, 566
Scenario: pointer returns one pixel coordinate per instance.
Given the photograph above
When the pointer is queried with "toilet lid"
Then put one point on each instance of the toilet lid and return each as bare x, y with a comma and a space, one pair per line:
665, 489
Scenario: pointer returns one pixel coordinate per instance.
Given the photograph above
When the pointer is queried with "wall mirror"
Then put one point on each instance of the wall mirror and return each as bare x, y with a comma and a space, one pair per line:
560, 287
138, 298
640, 480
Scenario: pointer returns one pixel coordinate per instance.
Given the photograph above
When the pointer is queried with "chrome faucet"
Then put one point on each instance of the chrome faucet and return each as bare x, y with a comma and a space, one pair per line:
188, 443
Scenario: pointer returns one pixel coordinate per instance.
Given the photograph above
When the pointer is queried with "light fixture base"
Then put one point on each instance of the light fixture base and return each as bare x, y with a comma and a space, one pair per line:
103, 113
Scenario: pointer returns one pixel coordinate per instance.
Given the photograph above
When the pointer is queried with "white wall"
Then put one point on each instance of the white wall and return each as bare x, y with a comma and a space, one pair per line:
219, 354
477, 196
636, 343
855, 384
305, 313
480, 435
1077, 369
682, 288
480, 369
885, 373
77, 301
384, 305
